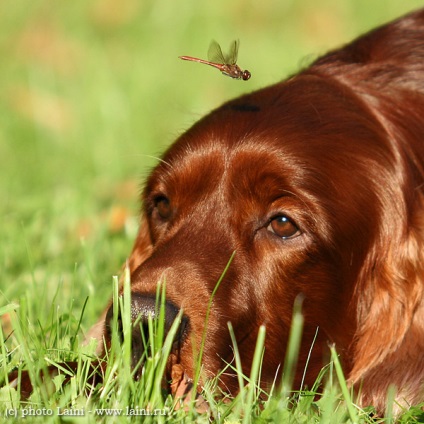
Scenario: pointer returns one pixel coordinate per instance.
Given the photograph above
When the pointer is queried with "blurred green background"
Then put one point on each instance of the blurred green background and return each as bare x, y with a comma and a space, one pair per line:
92, 91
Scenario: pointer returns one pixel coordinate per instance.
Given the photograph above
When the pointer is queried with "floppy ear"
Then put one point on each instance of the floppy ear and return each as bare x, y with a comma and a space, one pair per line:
142, 247
390, 310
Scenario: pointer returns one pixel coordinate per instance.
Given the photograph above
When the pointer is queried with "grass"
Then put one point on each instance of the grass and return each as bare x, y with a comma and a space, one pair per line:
119, 397
90, 93
120, 394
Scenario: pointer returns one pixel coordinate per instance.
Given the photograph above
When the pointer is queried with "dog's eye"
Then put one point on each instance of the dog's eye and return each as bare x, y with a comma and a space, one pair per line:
283, 227
163, 207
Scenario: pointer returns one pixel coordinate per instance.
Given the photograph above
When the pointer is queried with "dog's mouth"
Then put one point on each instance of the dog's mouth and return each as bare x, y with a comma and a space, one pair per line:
182, 388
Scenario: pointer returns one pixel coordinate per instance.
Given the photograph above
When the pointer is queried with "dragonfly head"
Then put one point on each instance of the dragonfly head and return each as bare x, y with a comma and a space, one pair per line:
246, 75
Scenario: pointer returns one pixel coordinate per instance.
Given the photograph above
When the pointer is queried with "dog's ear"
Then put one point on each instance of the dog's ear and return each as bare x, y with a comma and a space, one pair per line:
142, 247
390, 318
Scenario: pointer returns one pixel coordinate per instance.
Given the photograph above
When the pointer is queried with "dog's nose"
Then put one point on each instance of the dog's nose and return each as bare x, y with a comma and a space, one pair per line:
143, 307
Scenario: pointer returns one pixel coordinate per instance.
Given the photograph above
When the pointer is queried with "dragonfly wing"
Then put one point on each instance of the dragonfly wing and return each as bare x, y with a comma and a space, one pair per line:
215, 53
231, 57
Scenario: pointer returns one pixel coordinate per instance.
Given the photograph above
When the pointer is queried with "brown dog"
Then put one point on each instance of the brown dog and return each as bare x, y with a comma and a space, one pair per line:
316, 183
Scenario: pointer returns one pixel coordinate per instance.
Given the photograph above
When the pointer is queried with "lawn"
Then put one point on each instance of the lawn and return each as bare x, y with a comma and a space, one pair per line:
91, 92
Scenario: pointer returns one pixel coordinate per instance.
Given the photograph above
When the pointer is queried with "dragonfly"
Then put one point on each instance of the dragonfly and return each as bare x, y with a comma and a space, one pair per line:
225, 63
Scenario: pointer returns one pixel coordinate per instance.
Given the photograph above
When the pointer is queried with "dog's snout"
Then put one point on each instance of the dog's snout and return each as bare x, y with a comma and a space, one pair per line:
143, 308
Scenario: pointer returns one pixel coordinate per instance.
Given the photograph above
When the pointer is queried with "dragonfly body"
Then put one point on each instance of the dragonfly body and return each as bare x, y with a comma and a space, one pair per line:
225, 63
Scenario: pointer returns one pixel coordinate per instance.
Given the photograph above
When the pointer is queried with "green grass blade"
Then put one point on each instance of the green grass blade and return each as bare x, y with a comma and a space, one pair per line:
293, 347
238, 365
343, 385
252, 390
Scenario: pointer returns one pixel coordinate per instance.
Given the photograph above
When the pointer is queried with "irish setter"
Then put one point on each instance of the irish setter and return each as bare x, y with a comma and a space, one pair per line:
316, 183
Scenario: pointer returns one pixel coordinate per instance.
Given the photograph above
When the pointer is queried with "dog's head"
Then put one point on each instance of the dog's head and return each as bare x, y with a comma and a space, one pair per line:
312, 187
301, 182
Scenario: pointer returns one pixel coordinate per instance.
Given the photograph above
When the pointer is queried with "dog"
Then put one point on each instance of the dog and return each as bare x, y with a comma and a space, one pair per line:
312, 186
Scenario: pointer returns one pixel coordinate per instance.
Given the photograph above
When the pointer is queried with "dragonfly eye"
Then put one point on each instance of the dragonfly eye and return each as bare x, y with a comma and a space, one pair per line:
246, 75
